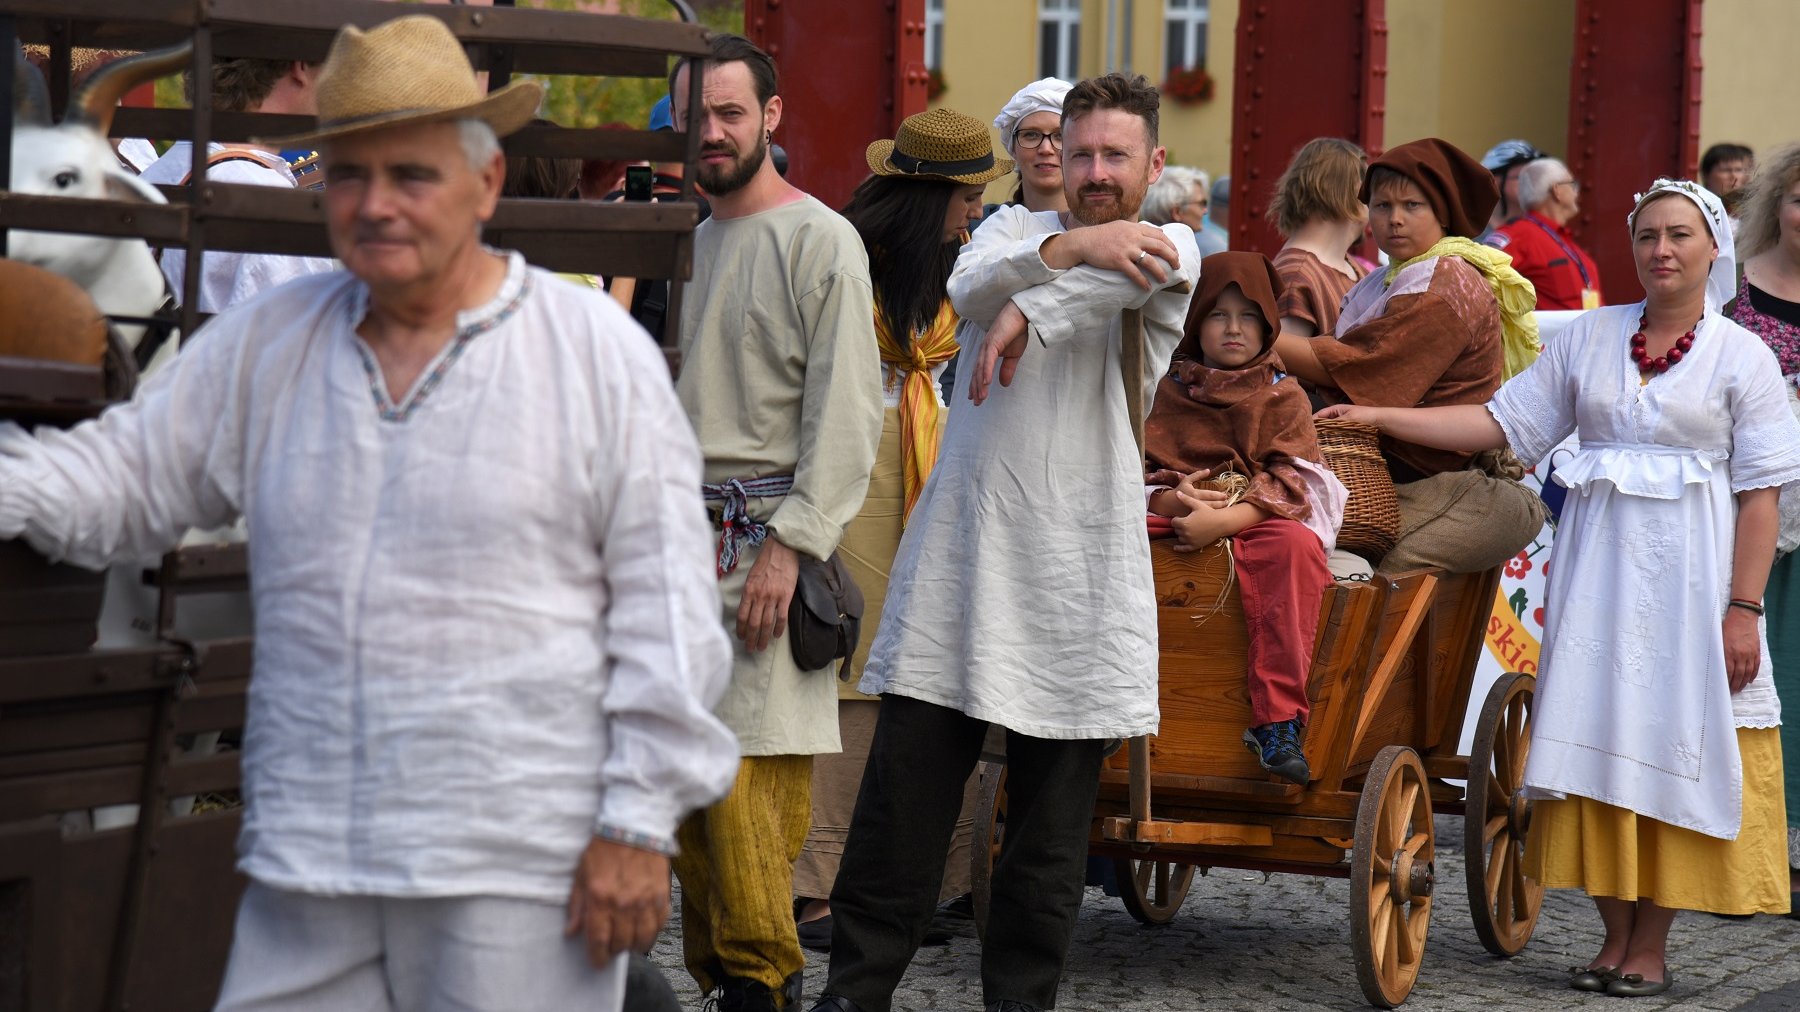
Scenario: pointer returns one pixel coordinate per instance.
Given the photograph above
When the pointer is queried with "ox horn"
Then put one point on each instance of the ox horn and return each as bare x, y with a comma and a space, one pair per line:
93, 105
31, 99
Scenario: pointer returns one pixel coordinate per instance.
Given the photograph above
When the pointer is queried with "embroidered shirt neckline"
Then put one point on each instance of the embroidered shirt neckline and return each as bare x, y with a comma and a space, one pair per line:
470, 324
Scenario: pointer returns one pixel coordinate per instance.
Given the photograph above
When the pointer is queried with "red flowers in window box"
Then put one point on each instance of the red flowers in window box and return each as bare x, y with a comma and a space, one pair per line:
1188, 85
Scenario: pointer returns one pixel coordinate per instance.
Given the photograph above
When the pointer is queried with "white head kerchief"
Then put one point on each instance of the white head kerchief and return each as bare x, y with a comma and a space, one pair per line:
1038, 96
1721, 281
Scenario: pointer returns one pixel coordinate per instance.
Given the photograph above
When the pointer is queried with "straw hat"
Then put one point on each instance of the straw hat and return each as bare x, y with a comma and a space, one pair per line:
408, 70
940, 144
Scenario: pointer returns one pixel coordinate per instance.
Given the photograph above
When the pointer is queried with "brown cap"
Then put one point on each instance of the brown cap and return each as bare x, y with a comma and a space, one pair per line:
1458, 188
1255, 276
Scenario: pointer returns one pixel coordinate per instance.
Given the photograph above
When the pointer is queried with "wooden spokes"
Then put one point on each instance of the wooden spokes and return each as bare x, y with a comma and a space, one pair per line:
1152, 890
990, 829
1503, 901
1391, 876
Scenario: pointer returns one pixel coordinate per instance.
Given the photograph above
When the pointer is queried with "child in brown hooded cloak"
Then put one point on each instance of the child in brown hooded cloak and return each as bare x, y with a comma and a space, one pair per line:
1226, 406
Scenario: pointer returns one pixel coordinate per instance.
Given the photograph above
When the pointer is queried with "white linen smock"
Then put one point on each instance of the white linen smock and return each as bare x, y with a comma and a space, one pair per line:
486, 617
1022, 592
1633, 706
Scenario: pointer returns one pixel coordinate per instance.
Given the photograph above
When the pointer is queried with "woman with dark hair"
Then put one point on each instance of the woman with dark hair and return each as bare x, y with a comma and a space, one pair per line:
1655, 756
913, 214
1317, 211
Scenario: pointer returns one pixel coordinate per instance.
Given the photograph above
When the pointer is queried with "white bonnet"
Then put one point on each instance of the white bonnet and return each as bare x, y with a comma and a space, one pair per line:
1721, 281
1038, 96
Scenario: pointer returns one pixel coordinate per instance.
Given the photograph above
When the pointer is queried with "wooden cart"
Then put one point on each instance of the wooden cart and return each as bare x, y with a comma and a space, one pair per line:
139, 914
1392, 671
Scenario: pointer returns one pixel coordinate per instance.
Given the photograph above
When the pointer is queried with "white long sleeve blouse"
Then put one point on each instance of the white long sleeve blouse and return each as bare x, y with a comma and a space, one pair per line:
486, 618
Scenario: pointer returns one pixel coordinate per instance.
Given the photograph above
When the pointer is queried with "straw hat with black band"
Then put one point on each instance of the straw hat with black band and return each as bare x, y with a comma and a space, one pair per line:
405, 71
941, 145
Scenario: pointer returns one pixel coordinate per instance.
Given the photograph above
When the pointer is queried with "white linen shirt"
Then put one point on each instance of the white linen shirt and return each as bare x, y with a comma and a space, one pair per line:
1022, 592
486, 618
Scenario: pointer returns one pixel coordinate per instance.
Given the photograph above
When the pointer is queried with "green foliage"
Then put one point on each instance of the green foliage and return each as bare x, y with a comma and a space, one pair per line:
591, 101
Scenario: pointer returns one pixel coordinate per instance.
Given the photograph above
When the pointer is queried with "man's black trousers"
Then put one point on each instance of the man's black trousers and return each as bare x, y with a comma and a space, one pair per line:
893, 864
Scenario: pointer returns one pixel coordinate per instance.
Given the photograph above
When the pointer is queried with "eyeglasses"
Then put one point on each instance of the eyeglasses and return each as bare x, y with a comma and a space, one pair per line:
1035, 138
1570, 183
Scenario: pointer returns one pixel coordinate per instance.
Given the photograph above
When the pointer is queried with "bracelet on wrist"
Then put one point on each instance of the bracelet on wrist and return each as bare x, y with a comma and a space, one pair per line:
1746, 604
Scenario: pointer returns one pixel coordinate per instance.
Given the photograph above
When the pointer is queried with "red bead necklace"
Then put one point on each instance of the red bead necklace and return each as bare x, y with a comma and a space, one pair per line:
1660, 363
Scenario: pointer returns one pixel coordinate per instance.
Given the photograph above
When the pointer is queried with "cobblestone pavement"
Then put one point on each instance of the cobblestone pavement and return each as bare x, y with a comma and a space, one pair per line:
1242, 943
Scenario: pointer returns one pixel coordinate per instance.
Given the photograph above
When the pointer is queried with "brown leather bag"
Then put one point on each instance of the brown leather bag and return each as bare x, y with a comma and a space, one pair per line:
825, 618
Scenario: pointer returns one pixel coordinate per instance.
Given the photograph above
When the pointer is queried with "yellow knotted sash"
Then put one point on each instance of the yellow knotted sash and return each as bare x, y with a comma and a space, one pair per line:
918, 400
1518, 328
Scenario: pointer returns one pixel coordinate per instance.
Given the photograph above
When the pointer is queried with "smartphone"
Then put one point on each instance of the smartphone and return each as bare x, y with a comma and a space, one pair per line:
638, 181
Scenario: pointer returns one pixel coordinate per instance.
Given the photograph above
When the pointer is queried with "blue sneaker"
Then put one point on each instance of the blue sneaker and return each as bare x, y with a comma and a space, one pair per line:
1277, 748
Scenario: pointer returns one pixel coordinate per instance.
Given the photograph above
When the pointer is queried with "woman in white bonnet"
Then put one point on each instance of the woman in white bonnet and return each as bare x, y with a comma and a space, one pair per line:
1655, 753
1031, 128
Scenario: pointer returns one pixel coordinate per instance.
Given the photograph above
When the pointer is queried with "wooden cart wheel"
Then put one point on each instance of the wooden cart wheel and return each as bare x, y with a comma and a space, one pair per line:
1152, 890
1502, 900
1391, 876
990, 827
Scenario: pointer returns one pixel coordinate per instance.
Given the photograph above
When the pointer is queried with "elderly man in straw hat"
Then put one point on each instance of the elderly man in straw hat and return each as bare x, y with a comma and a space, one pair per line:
487, 633
782, 381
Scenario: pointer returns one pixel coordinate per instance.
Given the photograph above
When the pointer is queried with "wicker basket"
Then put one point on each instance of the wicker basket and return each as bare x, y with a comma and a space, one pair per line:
1372, 514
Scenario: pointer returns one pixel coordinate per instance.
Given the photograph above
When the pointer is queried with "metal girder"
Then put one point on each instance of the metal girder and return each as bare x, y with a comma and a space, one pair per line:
1296, 79
1634, 114
875, 65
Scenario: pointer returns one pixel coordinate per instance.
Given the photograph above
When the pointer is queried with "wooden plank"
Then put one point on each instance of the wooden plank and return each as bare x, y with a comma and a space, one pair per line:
1415, 598
70, 760
31, 379
1216, 834
73, 724
96, 673
206, 568
131, 219
48, 794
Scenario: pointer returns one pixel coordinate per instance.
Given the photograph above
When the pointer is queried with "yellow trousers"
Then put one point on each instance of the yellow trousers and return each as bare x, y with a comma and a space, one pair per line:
737, 872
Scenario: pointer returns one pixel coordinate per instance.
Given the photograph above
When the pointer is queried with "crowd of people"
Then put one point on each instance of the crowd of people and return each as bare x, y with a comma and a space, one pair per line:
553, 629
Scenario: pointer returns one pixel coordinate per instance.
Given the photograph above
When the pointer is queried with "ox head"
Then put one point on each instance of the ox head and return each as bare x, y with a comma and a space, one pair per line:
74, 159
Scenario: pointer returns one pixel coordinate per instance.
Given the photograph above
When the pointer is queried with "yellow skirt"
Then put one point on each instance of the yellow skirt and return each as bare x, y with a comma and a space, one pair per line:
1580, 843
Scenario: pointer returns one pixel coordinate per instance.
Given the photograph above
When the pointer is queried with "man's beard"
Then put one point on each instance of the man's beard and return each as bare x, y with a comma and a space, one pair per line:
720, 180
1124, 205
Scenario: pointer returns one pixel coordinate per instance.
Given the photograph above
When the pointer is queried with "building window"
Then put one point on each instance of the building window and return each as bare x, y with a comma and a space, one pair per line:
934, 34
1059, 33
1184, 33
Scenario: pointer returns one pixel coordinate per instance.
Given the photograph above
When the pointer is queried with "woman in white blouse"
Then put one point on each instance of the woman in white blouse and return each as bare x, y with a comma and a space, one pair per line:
1655, 755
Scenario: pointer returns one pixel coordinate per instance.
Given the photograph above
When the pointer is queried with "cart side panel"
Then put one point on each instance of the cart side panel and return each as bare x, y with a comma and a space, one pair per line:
1389, 691
1203, 694
1465, 604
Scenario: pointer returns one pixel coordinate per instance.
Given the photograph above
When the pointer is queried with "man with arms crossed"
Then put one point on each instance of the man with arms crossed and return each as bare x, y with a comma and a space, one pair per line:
1022, 594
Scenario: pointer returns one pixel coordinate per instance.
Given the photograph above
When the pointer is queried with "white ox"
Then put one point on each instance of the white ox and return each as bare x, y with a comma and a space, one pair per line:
74, 159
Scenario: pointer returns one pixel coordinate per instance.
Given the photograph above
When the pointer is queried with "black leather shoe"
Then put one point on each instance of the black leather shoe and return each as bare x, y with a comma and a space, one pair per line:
1633, 985
1011, 1006
836, 1003
740, 994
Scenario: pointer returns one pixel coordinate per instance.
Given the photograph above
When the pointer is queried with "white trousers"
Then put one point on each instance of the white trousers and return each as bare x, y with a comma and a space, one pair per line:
297, 952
